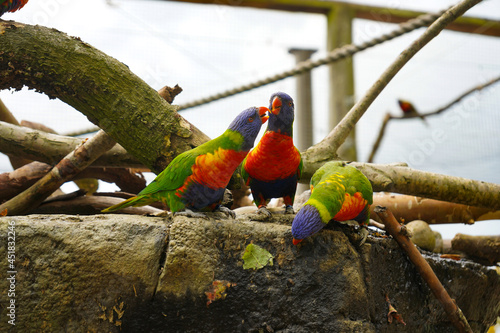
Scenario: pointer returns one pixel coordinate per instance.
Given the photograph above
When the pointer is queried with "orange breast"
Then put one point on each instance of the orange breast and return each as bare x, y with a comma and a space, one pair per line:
215, 170
274, 157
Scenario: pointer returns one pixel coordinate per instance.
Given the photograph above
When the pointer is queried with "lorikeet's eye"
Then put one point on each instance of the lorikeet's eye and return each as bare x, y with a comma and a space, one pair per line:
250, 119
290, 103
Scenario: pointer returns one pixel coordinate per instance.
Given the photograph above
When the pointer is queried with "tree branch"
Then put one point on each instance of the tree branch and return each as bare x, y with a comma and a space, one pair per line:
327, 148
449, 305
51, 148
100, 87
407, 208
76, 161
405, 180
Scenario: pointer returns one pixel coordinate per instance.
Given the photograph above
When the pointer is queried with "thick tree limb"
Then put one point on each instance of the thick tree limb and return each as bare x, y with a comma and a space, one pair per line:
482, 247
51, 148
407, 208
97, 85
327, 148
405, 180
66, 169
7, 116
449, 305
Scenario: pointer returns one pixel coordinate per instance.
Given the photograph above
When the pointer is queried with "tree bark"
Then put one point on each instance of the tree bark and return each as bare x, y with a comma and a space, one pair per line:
482, 247
97, 85
51, 148
407, 208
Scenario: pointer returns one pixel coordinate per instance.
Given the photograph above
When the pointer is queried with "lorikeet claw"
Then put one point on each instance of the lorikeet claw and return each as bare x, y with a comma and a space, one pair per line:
190, 213
289, 210
225, 210
264, 212
363, 232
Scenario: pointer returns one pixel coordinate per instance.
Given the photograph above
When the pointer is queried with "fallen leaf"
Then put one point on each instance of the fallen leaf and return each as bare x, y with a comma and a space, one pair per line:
393, 313
256, 257
4, 212
217, 290
451, 256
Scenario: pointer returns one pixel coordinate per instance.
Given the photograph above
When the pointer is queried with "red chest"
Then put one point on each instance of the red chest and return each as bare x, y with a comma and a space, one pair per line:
274, 157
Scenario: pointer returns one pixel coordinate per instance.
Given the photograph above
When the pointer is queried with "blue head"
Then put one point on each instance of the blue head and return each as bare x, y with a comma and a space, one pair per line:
281, 113
248, 124
306, 223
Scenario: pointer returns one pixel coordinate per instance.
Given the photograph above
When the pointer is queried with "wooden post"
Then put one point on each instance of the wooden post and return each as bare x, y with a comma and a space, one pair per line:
303, 130
339, 26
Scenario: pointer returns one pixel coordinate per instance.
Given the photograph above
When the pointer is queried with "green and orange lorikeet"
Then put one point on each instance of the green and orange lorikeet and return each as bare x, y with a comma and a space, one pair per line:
11, 5
273, 168
196, 179
409, 110
339, 192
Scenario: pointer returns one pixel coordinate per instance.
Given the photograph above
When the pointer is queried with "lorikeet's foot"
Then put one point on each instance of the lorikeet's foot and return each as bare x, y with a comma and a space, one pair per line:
289, 209
190, 213
262, 214
264, 211
363, 232
225, 210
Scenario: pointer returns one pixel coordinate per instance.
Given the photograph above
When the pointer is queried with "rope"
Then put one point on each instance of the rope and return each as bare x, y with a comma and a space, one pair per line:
333, 56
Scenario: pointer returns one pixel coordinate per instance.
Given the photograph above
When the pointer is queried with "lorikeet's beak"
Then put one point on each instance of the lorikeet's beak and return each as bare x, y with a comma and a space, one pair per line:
296, 241
263, 114
276, 105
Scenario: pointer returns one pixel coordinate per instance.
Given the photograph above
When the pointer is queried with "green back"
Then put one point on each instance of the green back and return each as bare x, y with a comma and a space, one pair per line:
331, 182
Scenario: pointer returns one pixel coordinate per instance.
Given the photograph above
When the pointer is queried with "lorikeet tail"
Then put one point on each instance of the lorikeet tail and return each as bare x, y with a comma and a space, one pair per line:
11, 5
134, 201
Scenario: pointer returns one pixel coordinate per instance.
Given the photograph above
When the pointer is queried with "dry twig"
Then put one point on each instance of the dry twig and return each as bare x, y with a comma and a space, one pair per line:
449, 305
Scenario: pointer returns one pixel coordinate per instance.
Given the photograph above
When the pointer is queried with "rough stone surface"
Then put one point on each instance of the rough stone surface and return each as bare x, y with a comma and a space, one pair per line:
118, 273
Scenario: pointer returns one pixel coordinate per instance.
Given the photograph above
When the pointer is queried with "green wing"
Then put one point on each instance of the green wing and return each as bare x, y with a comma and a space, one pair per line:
243, 171
301, 165
356, 181
174, 174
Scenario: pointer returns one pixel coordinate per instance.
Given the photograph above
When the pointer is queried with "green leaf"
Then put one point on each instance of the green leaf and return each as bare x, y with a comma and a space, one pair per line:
256, 257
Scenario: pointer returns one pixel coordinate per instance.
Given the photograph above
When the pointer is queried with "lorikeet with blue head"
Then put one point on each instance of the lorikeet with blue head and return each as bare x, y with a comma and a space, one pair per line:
339, 192
196, 179
273, 168
11, 5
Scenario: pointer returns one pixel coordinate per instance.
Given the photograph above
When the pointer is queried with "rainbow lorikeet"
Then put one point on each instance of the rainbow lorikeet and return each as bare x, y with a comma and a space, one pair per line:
339, 192
11, 5
409, 110
273, 168
196, 179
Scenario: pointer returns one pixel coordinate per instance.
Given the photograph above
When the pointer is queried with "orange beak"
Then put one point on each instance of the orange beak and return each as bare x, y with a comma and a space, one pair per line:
296, 241
263, 114
276, 106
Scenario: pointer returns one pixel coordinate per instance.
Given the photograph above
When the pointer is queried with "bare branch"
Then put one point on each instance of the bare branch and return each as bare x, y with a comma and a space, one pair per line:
67, 168
51, 148
486, 248
330, 144
405, 180
407, 208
